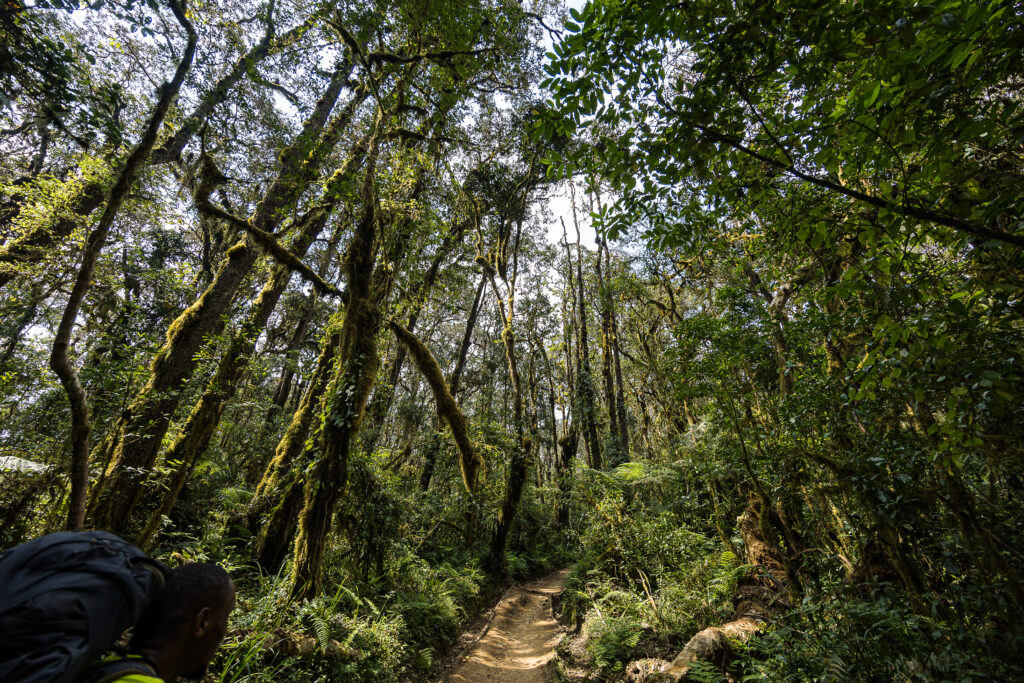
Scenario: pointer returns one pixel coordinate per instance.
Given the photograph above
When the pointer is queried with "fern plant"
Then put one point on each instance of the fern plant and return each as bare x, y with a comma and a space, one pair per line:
612, 642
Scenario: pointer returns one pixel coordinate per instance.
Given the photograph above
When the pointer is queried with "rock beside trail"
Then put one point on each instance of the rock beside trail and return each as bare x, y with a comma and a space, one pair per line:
741, 630
645, 670
710, 645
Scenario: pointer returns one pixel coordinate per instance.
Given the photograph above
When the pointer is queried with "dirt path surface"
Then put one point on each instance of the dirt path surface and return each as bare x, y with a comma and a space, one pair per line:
519, 646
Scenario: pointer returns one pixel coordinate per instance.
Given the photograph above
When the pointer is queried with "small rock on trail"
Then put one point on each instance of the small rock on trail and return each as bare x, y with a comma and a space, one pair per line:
520, 645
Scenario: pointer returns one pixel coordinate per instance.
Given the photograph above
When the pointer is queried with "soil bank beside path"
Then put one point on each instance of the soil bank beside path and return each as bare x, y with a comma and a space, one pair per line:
519, 646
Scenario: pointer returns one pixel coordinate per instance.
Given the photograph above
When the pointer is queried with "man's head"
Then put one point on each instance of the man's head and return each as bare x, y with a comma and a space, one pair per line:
186, 620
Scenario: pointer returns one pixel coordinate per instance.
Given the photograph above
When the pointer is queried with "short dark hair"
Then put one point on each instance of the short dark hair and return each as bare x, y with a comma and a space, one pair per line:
190, 588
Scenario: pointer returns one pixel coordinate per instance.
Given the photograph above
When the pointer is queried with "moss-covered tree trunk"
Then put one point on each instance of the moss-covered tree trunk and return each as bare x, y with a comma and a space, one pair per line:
549, 373
567, 447
620, 392
273, 511
344, 407
518, 466
205, 416
145, 422
385, 394
349, 390
447, 408
454, 382
434, 443
254, 465
607, 372
584, 377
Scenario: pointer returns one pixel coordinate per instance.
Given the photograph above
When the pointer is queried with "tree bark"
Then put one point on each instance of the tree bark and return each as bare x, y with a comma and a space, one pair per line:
205, 416
384, 395
584, 377
607, 373
520, 456
349, 391
620, 395
517, 467
273, 510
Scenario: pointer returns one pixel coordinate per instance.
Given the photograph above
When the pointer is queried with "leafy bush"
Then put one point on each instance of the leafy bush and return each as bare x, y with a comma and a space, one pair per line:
877, 640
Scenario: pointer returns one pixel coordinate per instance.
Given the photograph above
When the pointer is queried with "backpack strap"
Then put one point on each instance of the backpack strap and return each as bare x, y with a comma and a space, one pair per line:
119, 665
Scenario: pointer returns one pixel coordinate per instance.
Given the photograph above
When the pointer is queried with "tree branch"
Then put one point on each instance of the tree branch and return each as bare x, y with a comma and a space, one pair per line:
268, 243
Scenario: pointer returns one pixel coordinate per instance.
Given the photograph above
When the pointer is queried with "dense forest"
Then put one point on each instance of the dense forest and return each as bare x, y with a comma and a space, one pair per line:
384, 305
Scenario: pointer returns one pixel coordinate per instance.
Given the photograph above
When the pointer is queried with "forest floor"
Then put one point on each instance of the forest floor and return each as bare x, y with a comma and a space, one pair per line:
519, 645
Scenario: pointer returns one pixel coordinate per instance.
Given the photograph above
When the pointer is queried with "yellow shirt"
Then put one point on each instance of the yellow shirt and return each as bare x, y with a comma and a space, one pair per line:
130, 676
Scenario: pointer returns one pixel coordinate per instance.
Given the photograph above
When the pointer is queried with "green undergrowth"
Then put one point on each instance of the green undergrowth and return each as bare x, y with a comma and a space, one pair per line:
403, 577
650, 576
389, 637
840, 637
646, 582
391, 628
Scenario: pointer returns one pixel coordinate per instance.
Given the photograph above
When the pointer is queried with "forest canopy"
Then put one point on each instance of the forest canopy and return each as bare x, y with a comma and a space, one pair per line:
384, 304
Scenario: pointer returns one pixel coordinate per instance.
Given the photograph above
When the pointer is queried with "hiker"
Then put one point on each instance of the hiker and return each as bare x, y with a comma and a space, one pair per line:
180, 630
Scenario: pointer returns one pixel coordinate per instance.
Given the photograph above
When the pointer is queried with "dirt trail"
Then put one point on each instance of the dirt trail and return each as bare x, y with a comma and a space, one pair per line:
519, 647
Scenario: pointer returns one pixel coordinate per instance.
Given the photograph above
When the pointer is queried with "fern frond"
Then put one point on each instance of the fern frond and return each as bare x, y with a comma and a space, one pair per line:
323, 633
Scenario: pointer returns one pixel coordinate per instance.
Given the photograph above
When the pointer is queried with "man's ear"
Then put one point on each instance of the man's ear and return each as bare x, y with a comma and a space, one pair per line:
202, 622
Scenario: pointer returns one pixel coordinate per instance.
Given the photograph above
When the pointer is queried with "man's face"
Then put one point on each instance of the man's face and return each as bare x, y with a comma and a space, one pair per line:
208, 630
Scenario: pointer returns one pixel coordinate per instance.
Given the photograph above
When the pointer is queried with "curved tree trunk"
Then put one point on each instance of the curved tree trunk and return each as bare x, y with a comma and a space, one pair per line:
59, 361
384, 396
447, 407
434, 444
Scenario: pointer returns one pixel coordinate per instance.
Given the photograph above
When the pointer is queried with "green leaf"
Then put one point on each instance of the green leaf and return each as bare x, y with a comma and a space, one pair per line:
874, 94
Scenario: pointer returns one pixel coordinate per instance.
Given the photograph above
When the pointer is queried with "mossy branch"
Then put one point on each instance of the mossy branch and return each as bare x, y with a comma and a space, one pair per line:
447, 408
266, 241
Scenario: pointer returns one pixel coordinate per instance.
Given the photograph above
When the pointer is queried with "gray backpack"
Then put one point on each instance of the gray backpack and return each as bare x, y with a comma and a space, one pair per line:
65, 599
